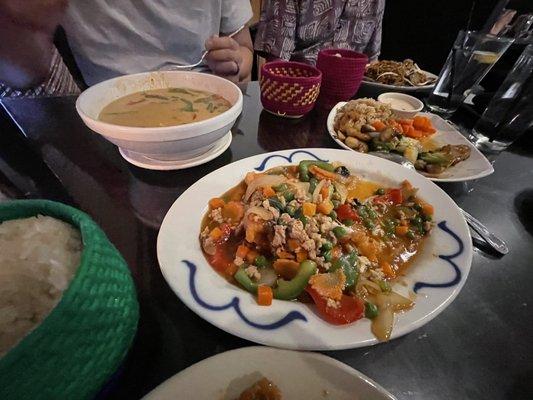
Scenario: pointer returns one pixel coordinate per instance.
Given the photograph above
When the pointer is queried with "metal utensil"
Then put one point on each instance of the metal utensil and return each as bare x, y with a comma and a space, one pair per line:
494, 241
491, 239
191, 66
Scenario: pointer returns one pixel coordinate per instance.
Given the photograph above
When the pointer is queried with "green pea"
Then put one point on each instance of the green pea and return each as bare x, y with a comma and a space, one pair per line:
327, 255
261, 261
339, 231
327, 246
289, 196
380, 191
333, 215
303, 218
371, 310
348, 222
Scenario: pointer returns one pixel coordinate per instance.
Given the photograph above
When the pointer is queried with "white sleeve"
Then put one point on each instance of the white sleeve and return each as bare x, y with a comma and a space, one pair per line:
234, 14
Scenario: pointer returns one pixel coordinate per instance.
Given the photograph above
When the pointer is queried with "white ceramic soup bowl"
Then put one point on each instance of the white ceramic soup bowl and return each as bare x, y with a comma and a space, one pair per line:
177, 142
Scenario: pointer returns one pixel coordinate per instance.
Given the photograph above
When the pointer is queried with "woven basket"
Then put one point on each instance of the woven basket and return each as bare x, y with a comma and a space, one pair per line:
341, 76
289, 88
75, 350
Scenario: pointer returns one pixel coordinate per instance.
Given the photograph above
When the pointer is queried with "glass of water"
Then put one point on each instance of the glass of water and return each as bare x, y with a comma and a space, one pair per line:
472, 56
510, 112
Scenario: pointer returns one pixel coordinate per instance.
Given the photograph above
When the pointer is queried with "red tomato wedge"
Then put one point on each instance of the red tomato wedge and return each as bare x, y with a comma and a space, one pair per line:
220, 260
346, 211
393, 196
350, 309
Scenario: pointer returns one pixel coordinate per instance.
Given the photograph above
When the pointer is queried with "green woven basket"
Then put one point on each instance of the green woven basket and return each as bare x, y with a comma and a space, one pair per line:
82, 342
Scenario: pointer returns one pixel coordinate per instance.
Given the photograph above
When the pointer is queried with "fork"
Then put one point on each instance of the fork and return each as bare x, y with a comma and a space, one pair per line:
191, 66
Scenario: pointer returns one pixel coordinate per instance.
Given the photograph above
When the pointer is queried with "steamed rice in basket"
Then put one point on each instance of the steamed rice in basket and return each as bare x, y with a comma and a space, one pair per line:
38, 259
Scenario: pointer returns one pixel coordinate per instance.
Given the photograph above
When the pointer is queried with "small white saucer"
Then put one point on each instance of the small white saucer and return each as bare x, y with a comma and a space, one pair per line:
143, 161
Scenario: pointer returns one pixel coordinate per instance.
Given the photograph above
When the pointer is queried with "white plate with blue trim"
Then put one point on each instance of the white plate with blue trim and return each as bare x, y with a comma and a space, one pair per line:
437, 274
474, 167
298, 375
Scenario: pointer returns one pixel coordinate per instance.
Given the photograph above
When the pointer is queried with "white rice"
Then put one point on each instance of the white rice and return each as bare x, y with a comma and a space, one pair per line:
38, 259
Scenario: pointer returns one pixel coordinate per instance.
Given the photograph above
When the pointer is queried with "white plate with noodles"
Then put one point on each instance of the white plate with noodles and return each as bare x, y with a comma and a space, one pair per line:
433, 279
476, 166
404, 77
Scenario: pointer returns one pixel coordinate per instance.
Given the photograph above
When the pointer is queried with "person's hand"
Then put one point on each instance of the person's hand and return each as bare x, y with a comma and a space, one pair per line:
224, 57
36, 15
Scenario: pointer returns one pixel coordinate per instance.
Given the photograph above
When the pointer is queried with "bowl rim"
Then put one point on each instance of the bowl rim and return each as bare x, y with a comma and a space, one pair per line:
351, 54
316, 77
207, 125
416, 103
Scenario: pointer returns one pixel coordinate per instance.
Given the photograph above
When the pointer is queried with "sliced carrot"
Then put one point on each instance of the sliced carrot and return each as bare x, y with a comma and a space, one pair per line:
216, 233
387, 269
301, 256
378, 125
234, 211
287, 269
323, 174
264, 295
242, 250
216, 202
293, 244
325, 192
309, 209
405, 121
325, 207
402, 230
330, 284
268, 191
428, 209
413, 133
251, 255
420, 123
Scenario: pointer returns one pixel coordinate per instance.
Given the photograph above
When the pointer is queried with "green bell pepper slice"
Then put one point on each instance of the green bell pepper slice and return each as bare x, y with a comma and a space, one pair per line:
289, 290
304, 165
244, 280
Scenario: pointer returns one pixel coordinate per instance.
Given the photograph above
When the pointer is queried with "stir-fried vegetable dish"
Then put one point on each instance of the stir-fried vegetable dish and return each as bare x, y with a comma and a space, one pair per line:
369, 125
315, 232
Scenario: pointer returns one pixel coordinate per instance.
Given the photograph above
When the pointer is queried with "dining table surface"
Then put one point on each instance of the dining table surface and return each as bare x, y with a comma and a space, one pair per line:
479, 347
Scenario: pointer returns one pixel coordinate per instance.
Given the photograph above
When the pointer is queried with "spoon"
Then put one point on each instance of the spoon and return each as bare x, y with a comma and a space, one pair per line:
492, 240
191, 66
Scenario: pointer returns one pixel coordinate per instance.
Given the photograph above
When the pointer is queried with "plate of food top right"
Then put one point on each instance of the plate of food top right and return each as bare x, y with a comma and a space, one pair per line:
435, 148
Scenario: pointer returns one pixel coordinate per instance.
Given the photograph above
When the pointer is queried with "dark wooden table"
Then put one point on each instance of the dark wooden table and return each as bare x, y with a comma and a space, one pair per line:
480, 347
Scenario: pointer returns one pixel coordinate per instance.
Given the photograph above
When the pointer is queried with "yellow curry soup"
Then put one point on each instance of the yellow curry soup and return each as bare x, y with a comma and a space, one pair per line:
164, 107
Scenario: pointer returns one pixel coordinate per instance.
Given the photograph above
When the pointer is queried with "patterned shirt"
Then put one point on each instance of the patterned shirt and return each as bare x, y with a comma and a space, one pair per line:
298, 29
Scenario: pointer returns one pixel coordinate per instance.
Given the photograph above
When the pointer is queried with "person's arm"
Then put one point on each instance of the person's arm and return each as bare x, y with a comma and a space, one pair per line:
231, 58
26, 29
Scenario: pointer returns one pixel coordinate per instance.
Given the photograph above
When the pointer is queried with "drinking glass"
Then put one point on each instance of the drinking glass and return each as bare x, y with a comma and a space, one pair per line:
472, 56
510, 112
